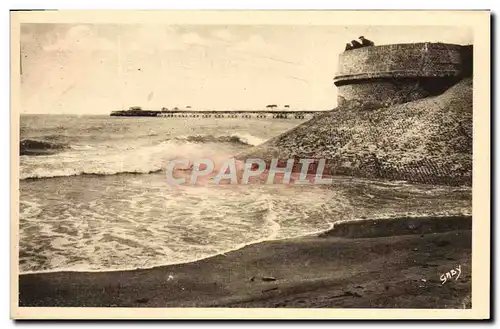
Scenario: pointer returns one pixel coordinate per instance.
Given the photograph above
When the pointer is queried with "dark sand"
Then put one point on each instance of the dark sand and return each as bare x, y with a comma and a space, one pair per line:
374, 263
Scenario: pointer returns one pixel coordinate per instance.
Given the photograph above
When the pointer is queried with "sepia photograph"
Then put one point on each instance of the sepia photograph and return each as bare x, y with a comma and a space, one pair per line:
234, 162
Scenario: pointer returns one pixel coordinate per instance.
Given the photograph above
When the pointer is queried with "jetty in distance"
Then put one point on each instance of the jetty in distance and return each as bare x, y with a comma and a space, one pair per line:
230, 114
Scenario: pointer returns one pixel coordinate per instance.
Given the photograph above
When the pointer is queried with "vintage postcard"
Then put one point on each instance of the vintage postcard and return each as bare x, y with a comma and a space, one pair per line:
250, 164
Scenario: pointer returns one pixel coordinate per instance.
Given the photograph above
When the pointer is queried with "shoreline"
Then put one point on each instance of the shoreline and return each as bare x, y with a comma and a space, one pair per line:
274, 273
324, 232
238, 247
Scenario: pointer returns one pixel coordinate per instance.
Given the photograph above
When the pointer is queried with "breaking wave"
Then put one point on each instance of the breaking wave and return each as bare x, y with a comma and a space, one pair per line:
128, 158
72, 172
40, 147
243, 139
141, 156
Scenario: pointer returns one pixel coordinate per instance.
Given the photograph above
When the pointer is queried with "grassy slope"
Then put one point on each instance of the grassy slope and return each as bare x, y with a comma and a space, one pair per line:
426, 141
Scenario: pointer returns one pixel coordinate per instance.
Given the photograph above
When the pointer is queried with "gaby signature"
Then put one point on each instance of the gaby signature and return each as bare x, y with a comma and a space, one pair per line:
453, 273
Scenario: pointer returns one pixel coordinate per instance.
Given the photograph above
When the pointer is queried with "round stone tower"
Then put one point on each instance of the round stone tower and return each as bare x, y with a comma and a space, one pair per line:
390, 74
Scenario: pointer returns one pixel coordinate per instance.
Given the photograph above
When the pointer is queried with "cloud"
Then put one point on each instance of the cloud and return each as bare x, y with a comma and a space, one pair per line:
144, 39
148, 39
222, 34
254, 43
80, 38
79, 31
192, 38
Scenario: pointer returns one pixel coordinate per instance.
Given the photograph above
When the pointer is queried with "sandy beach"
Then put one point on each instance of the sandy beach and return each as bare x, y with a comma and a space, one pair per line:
386, 263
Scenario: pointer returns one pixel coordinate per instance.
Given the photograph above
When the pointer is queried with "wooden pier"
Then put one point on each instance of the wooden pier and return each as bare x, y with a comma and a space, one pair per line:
298, 115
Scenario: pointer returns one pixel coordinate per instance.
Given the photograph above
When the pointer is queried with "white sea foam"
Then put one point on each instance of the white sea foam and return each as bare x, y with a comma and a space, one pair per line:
138, 221
125, 158
249, 139
141, 160
146, 224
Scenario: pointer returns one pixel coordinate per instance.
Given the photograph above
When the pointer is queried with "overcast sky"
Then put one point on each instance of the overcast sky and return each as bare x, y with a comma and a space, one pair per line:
89, 69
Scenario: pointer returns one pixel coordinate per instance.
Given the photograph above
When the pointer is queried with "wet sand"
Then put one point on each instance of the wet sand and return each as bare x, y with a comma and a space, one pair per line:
383, 263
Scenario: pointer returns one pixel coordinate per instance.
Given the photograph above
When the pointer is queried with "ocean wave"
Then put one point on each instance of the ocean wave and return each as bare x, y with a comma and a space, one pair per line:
125, 157
40, 147
136, 160
236, 138
41, 174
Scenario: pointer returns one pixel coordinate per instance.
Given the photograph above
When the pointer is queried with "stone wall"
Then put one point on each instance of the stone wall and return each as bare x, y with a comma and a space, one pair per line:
424, 141
418, 127
399, 73
379, 92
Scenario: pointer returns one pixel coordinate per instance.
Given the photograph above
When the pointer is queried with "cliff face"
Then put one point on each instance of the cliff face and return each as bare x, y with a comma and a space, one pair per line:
424, 141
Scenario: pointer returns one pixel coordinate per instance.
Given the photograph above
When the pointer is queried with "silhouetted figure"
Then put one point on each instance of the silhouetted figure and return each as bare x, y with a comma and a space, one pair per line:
366, 42
356, 44
348, 46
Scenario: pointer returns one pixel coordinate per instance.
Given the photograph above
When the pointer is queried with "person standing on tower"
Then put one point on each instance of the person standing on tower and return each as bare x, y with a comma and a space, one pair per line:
366, 42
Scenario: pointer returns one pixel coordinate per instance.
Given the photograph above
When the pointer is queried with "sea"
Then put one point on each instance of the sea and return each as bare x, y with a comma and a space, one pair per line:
94, 195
